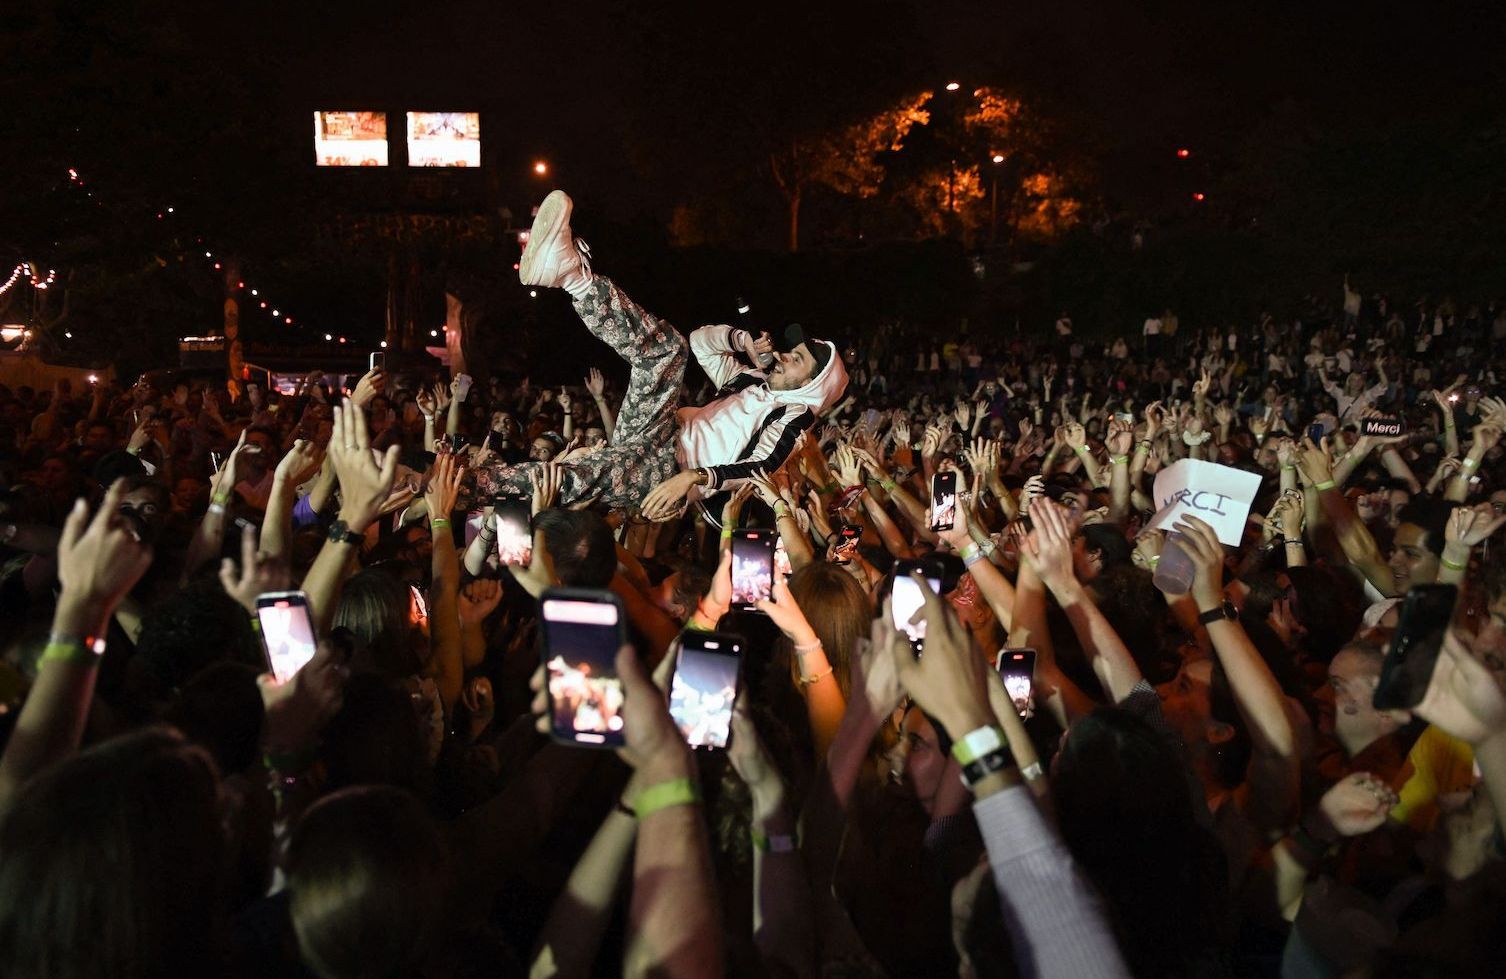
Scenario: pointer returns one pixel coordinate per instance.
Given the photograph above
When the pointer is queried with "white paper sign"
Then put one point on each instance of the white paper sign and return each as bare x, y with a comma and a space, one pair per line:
1219, 496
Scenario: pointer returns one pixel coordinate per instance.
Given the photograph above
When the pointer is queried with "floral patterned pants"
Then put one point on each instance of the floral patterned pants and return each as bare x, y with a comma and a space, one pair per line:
642, 453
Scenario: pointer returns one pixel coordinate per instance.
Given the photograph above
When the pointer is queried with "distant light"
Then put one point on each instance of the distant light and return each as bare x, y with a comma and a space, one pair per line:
1183, 153
216, 265
533, 293
93, 378
384, 344
998, 157
289, 321
329, 336
515, 266
240, 285
209, 254
274, 312
1198, 196
255, 293
433, 333
68, 336
952, 86
169, 210
263, 304
541, 168
342, 339
523, 236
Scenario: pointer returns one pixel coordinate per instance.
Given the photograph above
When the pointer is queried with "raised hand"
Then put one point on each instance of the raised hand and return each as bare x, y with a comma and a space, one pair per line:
258, 573
443, 487
1223, 415
733, 508
847, 466
99, 559
1075, 436
786, 613
1155, 419
1313, 461
546, 481
565, 400
1202, 546
299, 464
596, 384
224, 481
1034, 489
478, 599
948, 681
1355, 805
1050, 546
364, 485
900, 430
1286, 515
371, 384
1470, 526
964, 414
1121, 437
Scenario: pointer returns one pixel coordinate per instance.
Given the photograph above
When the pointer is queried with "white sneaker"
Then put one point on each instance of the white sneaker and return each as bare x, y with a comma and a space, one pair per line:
553, 258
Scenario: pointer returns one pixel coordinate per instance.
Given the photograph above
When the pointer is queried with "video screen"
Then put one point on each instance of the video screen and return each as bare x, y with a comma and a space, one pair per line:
514, 538
444, 139
350, 139
752, 570
289, 637
701, 696
585, 694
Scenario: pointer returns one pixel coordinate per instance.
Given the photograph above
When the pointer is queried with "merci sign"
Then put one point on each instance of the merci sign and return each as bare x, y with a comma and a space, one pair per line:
1220, 496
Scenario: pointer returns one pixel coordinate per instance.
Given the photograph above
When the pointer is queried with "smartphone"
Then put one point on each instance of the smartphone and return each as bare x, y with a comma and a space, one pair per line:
905, 599
287, 630
1315, 433
457, 443
704, 687
1408, 667
752, 567
944, 500
216, 459
514, 536
1128, 417
582, 629
1017, 667
845, 544
377, 360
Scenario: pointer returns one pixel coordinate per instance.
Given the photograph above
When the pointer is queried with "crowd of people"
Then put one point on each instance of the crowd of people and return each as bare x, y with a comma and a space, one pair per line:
1203, 784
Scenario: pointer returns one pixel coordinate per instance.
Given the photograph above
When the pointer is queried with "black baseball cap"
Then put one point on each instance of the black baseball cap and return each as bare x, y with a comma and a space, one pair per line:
794, 336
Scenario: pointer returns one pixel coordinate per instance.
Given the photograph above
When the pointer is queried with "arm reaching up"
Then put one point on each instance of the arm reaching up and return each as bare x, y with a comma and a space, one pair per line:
100, 558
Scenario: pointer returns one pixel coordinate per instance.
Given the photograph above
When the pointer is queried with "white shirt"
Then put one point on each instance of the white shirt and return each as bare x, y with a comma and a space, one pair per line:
1152, 326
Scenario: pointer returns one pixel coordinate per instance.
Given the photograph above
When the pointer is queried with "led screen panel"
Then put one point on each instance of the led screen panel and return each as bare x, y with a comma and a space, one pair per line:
350, 139
444, 139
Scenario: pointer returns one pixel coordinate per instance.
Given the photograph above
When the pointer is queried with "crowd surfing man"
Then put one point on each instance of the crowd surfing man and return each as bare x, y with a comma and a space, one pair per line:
662, 453
1226, 782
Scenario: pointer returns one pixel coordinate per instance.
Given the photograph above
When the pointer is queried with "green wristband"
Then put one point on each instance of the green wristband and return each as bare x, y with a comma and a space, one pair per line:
726, 533
1452, 566
439, 522
1118, 460
1325, 485
665, 795
79, 652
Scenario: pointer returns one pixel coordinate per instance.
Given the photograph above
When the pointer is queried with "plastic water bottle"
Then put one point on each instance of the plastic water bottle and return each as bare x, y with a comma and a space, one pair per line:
1175, 570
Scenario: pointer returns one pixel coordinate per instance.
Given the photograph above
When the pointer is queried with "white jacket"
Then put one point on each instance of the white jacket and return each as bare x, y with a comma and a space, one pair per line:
749, 428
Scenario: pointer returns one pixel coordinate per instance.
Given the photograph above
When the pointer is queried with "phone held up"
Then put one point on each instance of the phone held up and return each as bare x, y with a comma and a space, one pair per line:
704, 687
905, 599
1408, 667
1017, 668
752, 567
287, 630
944, 500
377, 361
514, 537
581, 630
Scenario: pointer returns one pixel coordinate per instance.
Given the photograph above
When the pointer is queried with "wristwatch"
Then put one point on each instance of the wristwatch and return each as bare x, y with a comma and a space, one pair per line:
976, 771
340, 533
1223, 613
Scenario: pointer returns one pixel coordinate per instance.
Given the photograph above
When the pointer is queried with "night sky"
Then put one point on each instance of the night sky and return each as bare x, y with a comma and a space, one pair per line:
1305, 119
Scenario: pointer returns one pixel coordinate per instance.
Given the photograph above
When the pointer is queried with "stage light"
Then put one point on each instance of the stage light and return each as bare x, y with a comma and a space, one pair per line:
998, 157
541, 168
1198, 196
329, 336
952, 86
1183, 153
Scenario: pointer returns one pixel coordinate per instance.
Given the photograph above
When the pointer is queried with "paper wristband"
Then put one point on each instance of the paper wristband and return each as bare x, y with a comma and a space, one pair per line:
1325, 485
665, 795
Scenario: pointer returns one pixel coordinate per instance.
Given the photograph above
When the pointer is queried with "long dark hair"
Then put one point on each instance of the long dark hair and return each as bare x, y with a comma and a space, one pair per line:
1125, 807
112, 864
